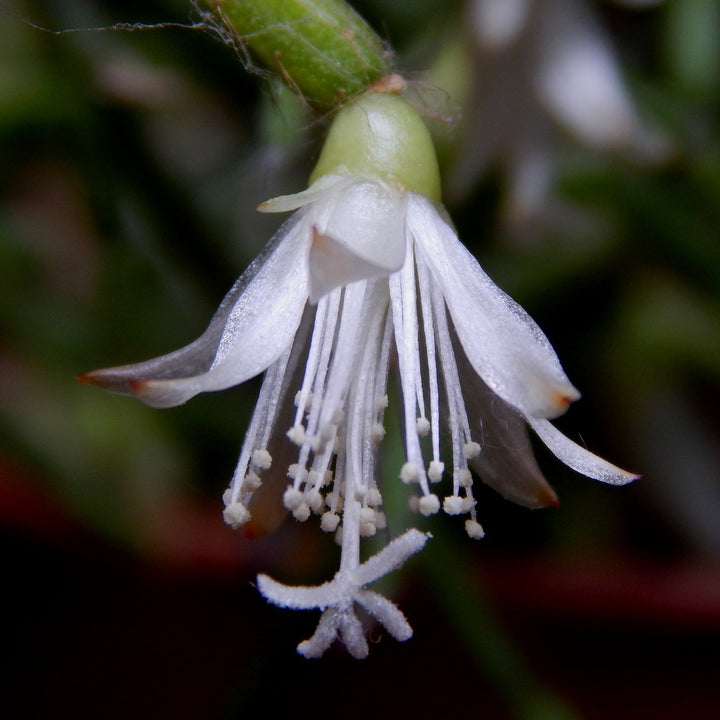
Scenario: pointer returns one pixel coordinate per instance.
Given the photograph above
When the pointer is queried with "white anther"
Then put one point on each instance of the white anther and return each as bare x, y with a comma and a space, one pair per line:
422, 426
474, 529
262, 459
296, 434
471, 450
429, 504
314, 500
410, 473
236, 515
297, 472
381, 403
251, 482
292, 498
377, 432
329, 522
302, 512
374, 498
435, 470
453, 505
464, 477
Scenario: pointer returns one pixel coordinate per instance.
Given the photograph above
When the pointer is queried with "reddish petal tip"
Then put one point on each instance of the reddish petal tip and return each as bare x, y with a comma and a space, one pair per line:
87, 379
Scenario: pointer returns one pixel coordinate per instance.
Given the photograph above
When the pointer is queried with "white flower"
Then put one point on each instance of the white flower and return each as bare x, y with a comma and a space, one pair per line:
363, 271
540, 66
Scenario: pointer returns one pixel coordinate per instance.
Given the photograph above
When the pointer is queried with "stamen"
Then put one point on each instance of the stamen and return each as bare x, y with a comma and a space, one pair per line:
258, 433
429, 504
262, 459
474, 529
425, 285
403, 295
453, 505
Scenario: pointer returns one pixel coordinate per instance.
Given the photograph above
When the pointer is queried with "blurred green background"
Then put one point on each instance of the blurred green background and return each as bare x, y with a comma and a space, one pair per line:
130, 167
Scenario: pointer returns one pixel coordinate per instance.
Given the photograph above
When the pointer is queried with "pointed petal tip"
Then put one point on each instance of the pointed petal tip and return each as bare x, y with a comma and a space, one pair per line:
107, 380
558, 401
548, 498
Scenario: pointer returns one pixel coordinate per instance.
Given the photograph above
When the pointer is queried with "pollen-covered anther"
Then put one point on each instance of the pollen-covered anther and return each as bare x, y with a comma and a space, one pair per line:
410, 473
236, 515
377, 432
471, 450
297, 472
329, 521
251, 482
453, 505
435, 470
292, 498
262, 459
474, 529
296, 434
422, 426
302, 512
429, 504
374, 498
314, 500
464, 477
381, 403
227, 497
367, 522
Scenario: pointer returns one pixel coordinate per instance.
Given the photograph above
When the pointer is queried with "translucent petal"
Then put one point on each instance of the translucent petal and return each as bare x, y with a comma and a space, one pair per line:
322, 186
578, 79
501, 341
254, 324
506, 461
367, 218
496, 23
332, 264
577, 457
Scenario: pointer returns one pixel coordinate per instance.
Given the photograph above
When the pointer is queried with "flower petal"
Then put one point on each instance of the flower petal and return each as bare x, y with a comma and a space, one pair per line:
332, 264
577, 457
507, 461
501, 341
368, 218
578, 78
323, 185
254, 324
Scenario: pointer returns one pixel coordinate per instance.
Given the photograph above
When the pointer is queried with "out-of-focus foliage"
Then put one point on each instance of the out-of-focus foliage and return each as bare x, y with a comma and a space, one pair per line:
130, 167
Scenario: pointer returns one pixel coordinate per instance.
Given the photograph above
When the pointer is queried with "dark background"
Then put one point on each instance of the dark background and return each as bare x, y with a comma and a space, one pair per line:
130, 167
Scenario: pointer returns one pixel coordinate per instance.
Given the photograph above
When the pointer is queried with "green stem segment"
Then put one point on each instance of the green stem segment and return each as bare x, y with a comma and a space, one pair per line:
322, 49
